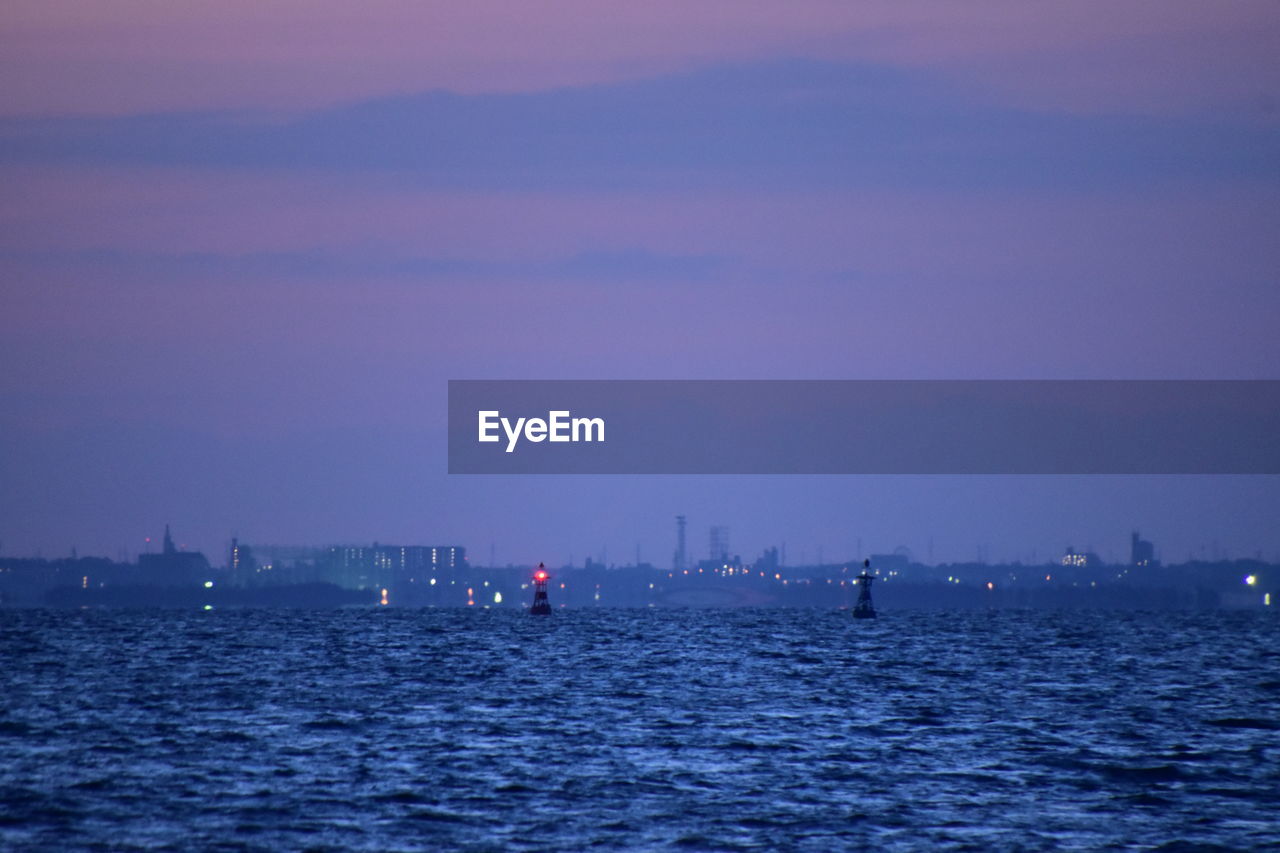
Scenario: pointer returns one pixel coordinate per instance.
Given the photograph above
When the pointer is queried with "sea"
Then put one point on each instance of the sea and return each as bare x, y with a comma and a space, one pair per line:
394, 729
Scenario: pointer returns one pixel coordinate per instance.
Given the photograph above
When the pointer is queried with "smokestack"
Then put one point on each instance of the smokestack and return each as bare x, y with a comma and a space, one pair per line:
679, 562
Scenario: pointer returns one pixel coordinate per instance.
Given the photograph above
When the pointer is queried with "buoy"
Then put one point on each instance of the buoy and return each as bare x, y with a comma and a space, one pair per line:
864, 609
541, 606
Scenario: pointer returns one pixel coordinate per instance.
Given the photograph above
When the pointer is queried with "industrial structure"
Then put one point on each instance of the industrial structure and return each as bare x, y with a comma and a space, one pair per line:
680, 560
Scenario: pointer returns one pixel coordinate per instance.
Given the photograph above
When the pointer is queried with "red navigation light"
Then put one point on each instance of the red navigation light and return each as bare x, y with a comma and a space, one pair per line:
540, 576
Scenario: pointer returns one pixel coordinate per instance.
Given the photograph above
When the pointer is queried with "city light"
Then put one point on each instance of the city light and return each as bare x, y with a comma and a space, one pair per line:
384, 597
1251, 580
208, 584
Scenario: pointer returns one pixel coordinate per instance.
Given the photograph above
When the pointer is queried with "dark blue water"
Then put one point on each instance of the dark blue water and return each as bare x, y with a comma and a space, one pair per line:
384, 729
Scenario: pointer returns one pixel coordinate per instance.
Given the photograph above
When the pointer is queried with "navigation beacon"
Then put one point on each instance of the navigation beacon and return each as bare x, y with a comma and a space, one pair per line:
864, 609
541, 606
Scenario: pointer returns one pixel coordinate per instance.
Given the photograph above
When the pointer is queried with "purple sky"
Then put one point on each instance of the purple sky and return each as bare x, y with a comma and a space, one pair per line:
244, 245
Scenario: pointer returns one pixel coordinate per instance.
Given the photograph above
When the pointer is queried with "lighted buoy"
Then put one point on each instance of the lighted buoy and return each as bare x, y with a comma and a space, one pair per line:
541, 606
864, 609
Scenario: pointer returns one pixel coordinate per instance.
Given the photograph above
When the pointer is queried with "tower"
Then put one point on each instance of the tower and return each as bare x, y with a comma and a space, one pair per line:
864, 609
541, 606
679, 562
719, 544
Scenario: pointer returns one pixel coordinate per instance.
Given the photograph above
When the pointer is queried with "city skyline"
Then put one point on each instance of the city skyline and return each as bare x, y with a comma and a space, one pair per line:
260, 575
705, 544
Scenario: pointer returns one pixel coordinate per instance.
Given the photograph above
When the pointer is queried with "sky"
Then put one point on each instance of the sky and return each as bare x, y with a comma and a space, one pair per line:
243, 247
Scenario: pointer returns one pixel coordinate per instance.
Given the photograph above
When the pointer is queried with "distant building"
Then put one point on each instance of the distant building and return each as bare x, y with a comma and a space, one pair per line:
172, 567
768, 561
1142, 552
242, 563
728, 561
1088, 559
895, 562
361, 567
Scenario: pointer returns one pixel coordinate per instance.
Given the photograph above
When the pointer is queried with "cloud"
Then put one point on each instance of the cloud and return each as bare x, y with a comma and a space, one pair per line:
782, 124
131, 56
624, 265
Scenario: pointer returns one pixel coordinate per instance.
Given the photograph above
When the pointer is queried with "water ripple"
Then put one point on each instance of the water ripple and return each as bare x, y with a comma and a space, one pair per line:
706, 730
